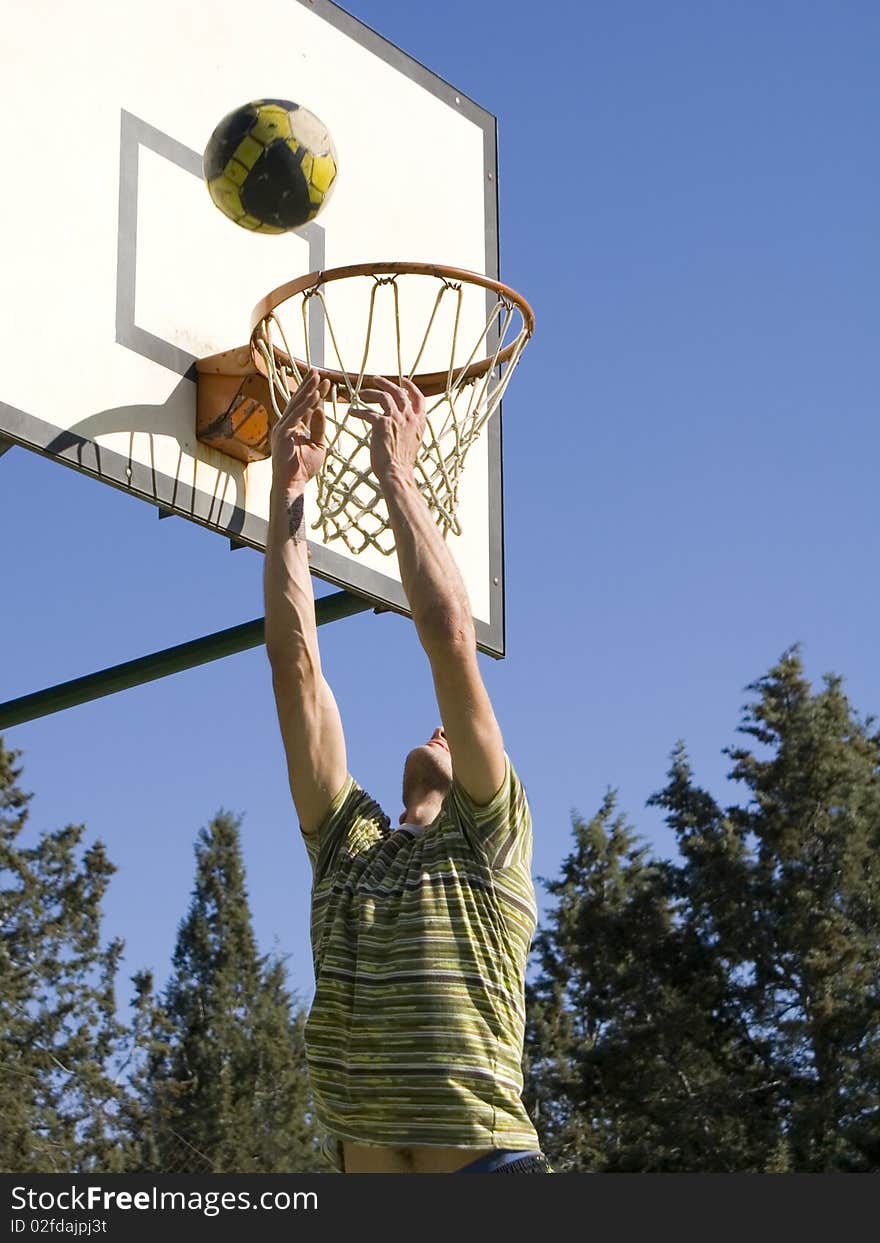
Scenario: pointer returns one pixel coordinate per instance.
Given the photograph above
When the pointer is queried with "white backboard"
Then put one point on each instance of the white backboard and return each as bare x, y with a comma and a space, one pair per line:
121, 273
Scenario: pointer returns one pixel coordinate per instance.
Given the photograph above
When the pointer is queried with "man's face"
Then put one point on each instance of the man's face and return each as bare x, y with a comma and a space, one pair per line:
428, 768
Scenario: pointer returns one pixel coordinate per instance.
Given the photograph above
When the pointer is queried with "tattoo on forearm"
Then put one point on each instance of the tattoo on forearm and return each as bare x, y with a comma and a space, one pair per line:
296, 519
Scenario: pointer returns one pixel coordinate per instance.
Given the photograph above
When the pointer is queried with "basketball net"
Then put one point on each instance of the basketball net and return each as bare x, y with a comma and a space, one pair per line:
429, 315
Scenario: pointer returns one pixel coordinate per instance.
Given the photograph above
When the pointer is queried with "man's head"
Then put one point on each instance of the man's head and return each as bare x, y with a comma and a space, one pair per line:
427, 776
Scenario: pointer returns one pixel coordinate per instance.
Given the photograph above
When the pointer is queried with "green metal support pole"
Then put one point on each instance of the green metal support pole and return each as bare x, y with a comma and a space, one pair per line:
161, 664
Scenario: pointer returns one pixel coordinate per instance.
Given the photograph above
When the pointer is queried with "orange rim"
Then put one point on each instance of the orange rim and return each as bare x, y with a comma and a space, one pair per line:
431, 382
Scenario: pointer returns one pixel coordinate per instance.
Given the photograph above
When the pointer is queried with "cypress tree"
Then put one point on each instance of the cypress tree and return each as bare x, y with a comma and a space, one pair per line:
225, 1087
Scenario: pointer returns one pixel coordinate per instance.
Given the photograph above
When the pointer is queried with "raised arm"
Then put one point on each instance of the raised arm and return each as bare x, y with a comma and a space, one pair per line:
435, 591
307, 713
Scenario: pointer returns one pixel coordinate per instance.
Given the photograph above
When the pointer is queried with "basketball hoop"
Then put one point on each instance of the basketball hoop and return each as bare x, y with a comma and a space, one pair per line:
456, 334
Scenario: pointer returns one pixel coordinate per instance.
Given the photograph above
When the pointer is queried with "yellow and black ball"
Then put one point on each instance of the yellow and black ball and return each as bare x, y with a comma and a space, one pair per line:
270, 166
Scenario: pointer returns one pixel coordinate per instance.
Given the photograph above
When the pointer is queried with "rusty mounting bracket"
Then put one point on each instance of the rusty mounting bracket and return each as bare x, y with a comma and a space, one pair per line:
234, 410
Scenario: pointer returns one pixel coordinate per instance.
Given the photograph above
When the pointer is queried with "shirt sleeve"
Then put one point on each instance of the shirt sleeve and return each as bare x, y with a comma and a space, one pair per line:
351, 809
501, 831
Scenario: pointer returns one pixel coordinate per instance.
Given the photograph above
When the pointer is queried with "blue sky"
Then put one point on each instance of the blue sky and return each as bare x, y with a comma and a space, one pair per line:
690, 200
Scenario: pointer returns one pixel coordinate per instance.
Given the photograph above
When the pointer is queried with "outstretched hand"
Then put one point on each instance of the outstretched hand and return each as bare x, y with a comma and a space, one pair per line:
297, 439
397, 431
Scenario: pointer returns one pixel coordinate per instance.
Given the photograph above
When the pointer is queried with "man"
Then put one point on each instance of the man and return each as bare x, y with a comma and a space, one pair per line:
419, 934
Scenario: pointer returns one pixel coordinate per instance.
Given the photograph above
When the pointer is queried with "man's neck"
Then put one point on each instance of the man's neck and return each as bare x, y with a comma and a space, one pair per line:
422, 812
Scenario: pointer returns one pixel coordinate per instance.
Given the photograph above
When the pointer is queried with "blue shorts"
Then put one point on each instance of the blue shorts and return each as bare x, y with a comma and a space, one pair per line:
509, 1161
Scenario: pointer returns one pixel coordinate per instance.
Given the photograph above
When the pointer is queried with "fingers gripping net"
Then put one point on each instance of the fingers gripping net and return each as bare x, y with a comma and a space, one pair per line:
457, 335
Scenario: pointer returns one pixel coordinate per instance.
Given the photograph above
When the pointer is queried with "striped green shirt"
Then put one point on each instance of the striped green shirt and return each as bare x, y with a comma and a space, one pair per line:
420, 939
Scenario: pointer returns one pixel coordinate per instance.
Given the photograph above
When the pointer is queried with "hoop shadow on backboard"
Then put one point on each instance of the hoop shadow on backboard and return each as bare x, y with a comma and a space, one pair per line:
137, 473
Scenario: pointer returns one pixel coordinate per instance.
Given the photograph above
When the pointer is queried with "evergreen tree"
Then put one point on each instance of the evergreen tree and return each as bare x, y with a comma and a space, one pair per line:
633, 1057
58, 1029
223, 1087
812, 948
722, 1012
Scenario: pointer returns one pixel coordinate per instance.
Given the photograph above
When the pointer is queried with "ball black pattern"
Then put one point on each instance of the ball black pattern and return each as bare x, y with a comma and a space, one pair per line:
270, 166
